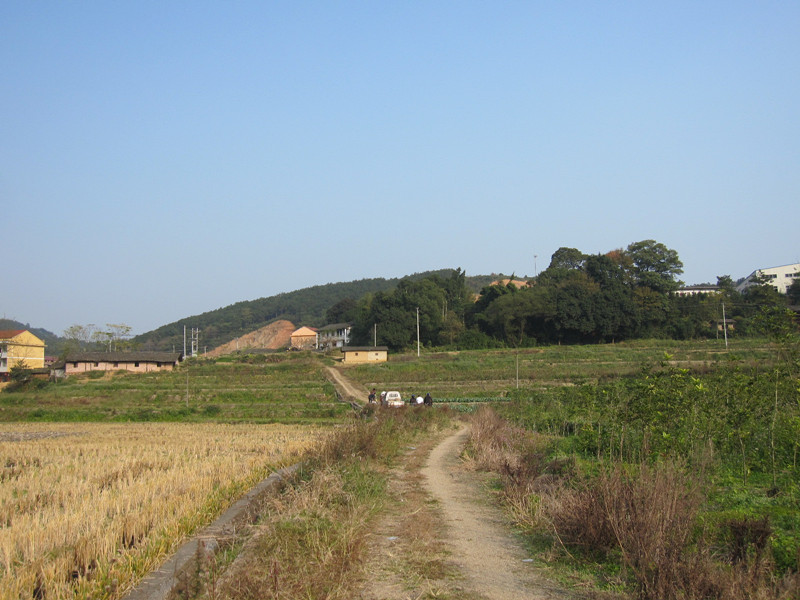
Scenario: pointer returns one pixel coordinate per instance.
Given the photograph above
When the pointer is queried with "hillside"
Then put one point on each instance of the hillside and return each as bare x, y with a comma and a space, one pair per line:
53, 343
274, 336
302, 307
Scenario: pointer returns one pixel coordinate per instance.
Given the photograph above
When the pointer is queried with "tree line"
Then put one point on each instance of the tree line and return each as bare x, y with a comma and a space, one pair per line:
623, 294
307, 306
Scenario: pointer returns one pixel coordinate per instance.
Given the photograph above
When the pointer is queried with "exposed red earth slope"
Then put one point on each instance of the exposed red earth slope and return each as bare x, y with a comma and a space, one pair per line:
274, 336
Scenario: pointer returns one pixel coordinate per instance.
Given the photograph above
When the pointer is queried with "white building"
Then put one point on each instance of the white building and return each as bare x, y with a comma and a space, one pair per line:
336, 335
778, 277
694, 290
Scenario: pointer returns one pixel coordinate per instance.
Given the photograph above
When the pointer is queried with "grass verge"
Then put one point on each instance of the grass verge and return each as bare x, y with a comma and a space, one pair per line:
635, 527
312, 541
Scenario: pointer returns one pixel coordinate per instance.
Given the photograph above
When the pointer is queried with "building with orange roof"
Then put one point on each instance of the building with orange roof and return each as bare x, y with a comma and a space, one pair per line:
305, 338
20, 347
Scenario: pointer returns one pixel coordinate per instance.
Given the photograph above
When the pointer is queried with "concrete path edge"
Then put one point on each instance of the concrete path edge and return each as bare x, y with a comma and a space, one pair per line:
159, 583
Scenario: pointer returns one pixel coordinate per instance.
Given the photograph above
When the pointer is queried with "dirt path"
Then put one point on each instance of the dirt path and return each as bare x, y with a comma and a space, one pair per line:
349, 391
444, 539
493, 564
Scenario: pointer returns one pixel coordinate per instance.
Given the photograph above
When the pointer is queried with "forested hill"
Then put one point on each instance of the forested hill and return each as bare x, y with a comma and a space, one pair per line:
302, 307
52, 342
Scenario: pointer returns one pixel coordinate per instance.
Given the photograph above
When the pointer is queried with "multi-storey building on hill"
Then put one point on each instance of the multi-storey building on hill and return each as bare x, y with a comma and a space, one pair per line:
778, 277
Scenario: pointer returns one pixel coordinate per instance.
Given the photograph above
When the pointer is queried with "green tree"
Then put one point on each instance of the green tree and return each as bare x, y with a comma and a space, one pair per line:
452, 329
475, 316
564, 264
114, 337
513, 316
654, 265
726, 284
793, 292
394, 313
344, 311
78, 338
567, 258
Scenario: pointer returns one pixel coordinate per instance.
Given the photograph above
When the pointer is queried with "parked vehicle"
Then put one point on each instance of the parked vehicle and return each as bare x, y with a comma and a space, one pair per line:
394, 399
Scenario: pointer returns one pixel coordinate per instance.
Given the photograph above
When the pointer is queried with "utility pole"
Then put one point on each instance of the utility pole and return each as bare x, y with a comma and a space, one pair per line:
184, 341
725, 326
195, 341
418, 332
374, 335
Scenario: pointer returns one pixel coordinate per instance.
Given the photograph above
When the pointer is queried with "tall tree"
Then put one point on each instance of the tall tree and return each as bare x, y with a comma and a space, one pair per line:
79, 337
567, 258
655, 266
394, 314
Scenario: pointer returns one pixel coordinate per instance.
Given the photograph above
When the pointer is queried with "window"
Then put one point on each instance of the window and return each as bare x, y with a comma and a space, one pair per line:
136, 364
116, 364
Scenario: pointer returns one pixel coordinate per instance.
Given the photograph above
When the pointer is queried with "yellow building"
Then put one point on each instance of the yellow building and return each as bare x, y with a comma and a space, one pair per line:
20, 346
305, 338
351, 354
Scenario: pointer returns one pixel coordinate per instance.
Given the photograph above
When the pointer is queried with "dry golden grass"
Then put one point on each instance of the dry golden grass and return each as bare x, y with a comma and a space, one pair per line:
87, 509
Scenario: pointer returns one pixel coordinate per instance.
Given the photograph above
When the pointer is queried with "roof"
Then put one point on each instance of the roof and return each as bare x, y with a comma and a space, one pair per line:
167, 357
779, 267
7, 334
699, 287
304, 331
336, 326
364, 349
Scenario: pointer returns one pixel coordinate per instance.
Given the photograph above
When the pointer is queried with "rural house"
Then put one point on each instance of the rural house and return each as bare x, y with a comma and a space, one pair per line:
335, 335
305, 338
17, 347
357, 355
137, 362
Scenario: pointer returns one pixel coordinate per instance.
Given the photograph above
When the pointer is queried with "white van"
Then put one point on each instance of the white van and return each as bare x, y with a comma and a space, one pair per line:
394, 399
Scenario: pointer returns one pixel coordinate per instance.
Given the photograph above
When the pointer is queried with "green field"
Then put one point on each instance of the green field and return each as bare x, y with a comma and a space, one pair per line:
291, 387
481, 374
730, 417
287, 388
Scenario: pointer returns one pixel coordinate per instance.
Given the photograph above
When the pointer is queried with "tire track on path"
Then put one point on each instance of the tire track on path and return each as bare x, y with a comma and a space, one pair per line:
494, 565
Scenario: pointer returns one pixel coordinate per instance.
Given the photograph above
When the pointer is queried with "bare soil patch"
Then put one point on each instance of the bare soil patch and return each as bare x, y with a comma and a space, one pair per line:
271, 337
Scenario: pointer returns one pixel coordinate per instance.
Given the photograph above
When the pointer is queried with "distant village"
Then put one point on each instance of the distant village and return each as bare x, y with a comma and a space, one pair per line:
21, 348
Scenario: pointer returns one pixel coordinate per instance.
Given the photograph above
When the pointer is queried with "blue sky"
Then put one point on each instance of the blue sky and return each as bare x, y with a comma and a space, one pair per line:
162, 159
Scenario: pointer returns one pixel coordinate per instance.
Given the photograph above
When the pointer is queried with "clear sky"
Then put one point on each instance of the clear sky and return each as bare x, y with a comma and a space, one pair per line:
163, 159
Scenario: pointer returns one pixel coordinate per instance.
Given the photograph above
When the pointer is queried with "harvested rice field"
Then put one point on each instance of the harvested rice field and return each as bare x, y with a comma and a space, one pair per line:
88, 509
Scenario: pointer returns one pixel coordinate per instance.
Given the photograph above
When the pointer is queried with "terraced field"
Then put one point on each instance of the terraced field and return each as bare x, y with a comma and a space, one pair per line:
287, 388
